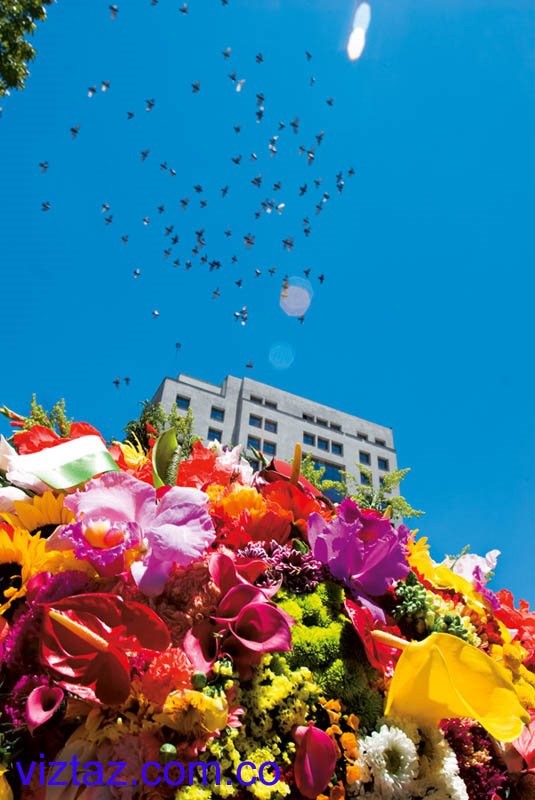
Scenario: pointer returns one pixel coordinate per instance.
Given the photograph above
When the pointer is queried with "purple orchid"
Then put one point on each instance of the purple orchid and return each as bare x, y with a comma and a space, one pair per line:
120, 520
365, 551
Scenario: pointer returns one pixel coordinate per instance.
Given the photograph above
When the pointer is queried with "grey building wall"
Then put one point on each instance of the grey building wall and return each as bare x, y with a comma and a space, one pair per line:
333, 437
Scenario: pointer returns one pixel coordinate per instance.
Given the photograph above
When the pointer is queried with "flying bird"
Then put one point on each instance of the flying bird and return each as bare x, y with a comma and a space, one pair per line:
124, 239
116, 382
149, 104
75, 130
127, 381
215, 294
155, 313
105, 85
45, 206
308, 55
249, 365
321, 278
259, 58
91, 92
144, 154
236, 160
114, 10
330, 101
184, 8
195, 87
224, 191
130, 115
288, 243
137, 273
44, 166
303, 190
226, 53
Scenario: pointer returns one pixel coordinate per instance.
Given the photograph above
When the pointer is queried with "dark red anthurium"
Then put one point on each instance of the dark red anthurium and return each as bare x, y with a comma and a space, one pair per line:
86, 639
315, 760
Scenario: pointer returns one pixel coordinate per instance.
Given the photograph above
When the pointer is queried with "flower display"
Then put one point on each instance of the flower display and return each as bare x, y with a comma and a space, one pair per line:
162, 604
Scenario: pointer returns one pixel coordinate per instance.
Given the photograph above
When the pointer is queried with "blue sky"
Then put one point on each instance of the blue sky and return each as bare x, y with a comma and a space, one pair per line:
424, 322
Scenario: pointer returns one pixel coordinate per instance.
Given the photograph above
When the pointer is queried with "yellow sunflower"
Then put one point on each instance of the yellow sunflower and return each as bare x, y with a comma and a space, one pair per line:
40, 514
22, 556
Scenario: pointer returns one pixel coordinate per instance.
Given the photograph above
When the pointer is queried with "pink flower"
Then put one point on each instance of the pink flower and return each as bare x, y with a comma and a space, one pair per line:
42, 704
245, 623
117, 513
315, 760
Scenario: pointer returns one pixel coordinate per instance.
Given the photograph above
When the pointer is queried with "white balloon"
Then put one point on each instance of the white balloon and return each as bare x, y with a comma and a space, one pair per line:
356, 44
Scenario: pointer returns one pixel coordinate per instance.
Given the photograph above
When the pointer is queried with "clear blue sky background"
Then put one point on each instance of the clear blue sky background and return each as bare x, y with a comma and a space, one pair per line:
425, 319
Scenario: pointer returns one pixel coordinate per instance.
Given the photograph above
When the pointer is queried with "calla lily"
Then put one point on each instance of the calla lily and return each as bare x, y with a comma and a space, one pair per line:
315, 760
42, 704
85, 640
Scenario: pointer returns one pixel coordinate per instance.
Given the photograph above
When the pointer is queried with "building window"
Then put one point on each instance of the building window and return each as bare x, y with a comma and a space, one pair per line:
270, 404
254, 421
182, 402
380, 442
270, 448
252, 441
323, 444
332, 473
255, 464
337, 449
308, 417
335, 427
309, 438
365, 479
256, 399
382, 463
322, 422
213, 435
218, 414
364, 458
270, 426
363, 437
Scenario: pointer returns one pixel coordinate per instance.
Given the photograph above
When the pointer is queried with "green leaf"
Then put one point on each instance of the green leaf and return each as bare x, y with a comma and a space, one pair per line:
162, 455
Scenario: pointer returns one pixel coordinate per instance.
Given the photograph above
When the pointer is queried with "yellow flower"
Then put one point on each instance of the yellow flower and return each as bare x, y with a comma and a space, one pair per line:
440, 576
193, 714
38, 513
21, 557
243, 498
133, 453
5, 788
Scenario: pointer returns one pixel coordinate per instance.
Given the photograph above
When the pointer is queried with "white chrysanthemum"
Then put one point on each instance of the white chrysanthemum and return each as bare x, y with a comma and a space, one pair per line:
392, 759
438, 777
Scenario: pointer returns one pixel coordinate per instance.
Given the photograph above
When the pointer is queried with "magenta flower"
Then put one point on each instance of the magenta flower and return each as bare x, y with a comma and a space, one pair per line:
315, 760
364, 551
245, 624
42, 704
118, 515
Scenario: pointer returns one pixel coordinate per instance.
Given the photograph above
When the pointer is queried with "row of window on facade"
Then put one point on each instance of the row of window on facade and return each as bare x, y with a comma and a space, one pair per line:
254, 398
335, 448
268, 448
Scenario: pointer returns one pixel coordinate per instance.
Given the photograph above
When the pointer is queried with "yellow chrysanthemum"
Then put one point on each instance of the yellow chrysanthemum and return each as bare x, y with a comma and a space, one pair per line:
21, 557
193, 713
39, 513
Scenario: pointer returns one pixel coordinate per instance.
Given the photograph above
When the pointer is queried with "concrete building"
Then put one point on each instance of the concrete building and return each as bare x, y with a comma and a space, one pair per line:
244, 411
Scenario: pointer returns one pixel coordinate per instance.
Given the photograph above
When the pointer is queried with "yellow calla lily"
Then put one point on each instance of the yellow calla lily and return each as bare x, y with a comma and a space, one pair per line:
443, 677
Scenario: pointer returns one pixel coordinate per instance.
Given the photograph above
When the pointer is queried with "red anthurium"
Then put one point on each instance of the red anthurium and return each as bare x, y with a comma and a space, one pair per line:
315, 760
85, 640
39, 437
380, 655
278, 470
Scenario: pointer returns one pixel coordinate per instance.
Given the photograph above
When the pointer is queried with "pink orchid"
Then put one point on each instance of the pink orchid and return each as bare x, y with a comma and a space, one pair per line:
42, 704
117, 513
315, 760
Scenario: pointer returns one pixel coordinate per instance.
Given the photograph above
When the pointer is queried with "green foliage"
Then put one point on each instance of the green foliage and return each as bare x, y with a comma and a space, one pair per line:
55, 419
154, 415
18, 19
364, 496
323, 640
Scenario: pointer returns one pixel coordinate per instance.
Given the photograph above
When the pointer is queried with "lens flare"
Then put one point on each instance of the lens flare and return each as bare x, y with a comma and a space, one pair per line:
357, 38
281, 355
296, 297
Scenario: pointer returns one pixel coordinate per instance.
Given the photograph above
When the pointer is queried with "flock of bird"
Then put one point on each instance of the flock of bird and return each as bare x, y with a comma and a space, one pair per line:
275, 201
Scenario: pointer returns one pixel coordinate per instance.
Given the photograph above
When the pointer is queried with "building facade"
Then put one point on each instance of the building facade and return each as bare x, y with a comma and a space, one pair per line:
244, 411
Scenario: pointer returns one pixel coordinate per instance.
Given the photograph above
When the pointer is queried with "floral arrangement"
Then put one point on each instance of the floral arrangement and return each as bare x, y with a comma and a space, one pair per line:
161, 603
